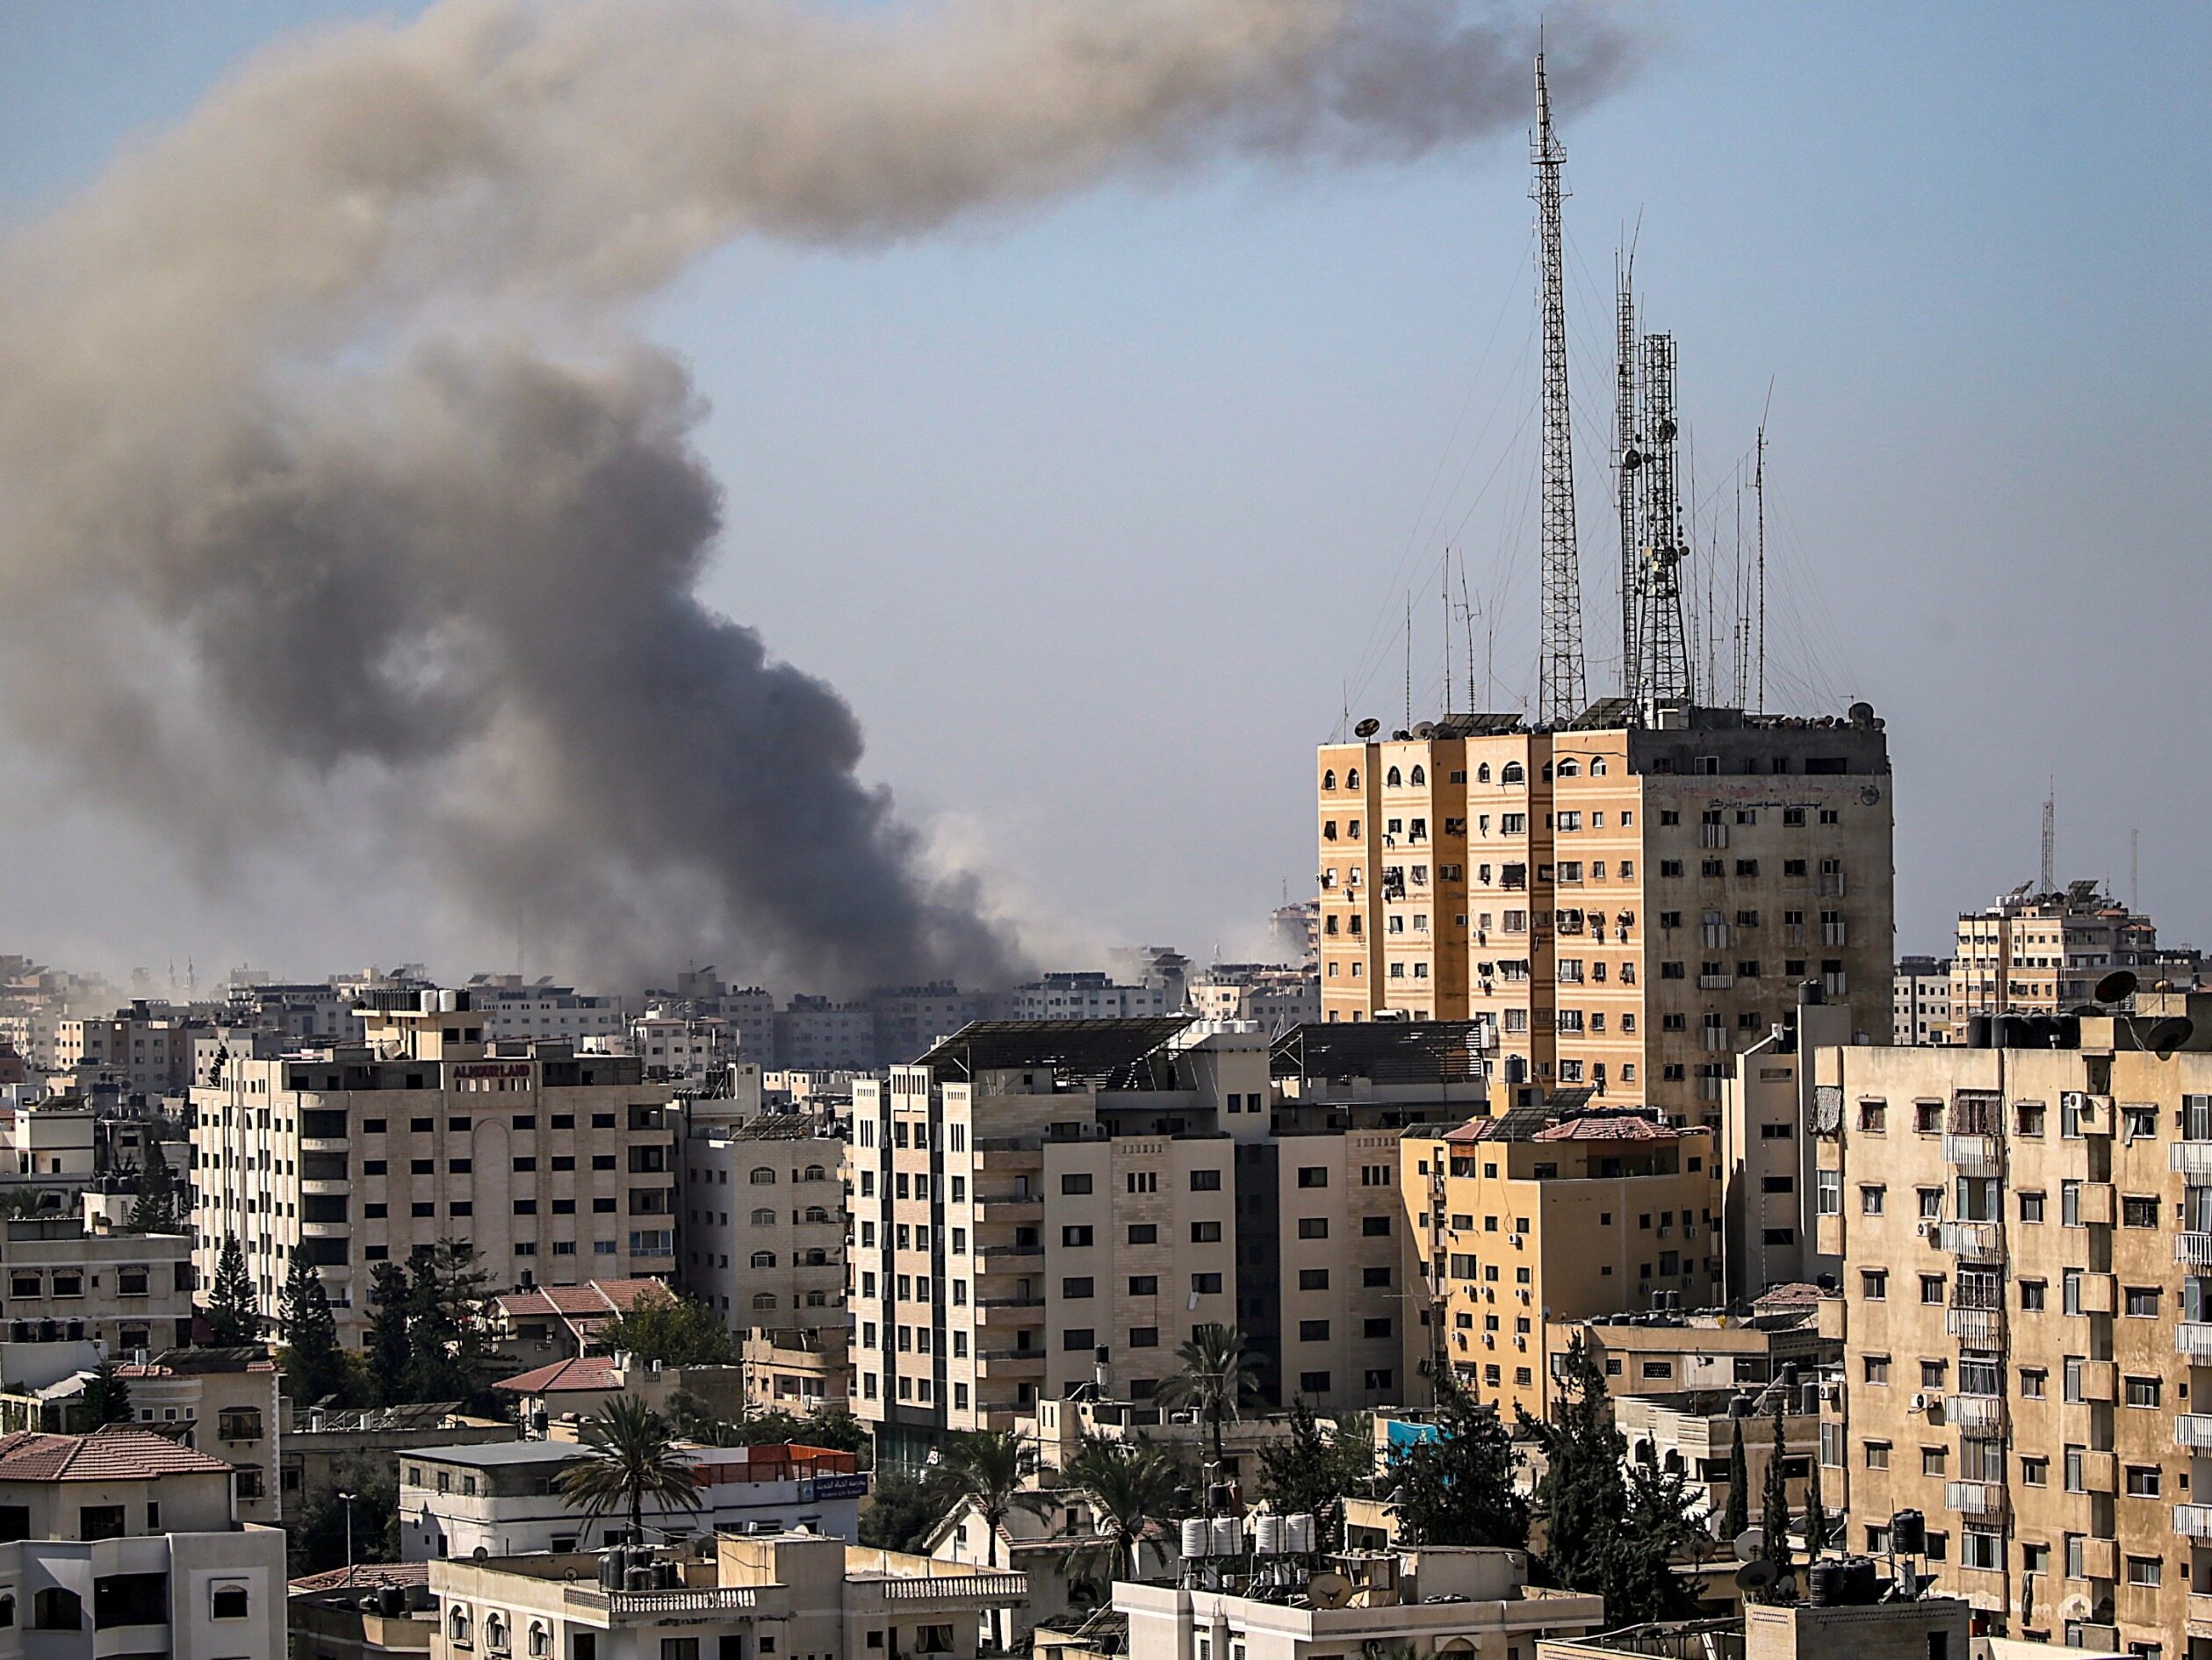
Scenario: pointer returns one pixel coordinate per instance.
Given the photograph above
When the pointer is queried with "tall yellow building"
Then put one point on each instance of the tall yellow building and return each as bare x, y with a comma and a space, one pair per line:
1628, 905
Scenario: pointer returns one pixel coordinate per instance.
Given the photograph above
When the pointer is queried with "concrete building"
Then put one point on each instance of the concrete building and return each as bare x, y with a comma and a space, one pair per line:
370, 1611
1625, 904
505, 1500
2043, 953
797, 1369
1438, 1599
1694, 1432
124, 1542
1535, 1217
820, 1035
685, 1049
226, 1402
1766, 1155
77, 1297
771, 1596
325, 1448
148, 1046
1056, 1547
763, 1220
49, 1143
910, 1019
1911, 1628
1271, 996
1921, 1001
2026, 1234
1708, 1349
516, 1011
1089, 995
363, 1154
1047, 1204
550, 1323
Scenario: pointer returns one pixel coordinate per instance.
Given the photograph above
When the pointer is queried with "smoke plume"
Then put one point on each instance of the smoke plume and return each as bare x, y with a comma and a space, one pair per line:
334, 479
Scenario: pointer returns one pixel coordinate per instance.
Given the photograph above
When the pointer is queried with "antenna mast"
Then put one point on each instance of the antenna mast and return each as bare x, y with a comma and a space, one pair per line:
2051, 839
1561, 691
1758, 491
1628, 459
1662, 642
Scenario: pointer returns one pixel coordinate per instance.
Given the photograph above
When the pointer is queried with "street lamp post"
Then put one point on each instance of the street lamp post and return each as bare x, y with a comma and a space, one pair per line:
347, 1500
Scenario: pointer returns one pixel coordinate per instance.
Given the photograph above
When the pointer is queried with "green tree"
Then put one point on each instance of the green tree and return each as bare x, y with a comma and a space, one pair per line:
1129, 1487
1611, 1526
1773, 1516
388, 1354
836, 1428
106, 1398
1816, 1516
157, 1208
1219, 1378
234, 1316
673, 1330
449, 1351
903, 1506
1737, 1517
1313, 1470
633, 1458
1456, 1487
990, 1470
314, 1364
318, 1527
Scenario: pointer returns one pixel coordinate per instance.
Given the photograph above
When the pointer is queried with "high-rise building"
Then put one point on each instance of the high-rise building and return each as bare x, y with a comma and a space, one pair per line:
2043, 953
1921, 1001
2026, 1309
1628, 905
555, 1168
1040, 1206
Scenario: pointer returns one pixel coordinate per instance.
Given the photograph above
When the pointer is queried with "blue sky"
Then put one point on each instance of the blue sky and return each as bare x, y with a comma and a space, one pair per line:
1093, 514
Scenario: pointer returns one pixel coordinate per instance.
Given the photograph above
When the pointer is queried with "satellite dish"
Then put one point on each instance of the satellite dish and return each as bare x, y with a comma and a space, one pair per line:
1425, 729
1631, 459
1756, 1576
1366, 728
1751, 1544
1328, 1589
481, 1553
2170, 1035
2116, 986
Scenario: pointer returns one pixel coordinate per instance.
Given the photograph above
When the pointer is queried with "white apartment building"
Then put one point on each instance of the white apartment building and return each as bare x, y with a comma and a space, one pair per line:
1273, 998
124, 1542
514, 1011
1437, 1599
504, 1498
777, 1597
817, 1034
148, 1048
1089, 996
2043, 953
556, 1168
1923, 1001
50, 1140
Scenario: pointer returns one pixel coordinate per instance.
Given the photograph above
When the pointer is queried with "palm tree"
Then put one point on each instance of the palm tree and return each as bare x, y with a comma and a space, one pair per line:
633, 1457
989, 1469
1128, 1485
1219, 1378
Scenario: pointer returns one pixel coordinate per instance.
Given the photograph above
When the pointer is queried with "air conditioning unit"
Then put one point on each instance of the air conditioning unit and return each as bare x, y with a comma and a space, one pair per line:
2074, 1100
1929, 1230
1921, 1401
1513, 1239
1831, 1394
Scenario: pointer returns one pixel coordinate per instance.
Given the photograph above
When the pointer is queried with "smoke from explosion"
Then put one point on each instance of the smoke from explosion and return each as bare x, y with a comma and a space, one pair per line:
333, 472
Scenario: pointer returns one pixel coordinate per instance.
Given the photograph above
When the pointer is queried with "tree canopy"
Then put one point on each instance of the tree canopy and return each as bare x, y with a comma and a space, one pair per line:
1313, 1470
673, 1330
633, 1459
1458, 1486
1218, 1379
314, 1363
234, 1314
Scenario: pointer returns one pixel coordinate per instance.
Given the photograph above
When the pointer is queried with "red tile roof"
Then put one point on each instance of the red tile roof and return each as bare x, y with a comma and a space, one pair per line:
1474, 1130
597, 1299
592, 1373
108, 1454
1612, 1126
366, 1575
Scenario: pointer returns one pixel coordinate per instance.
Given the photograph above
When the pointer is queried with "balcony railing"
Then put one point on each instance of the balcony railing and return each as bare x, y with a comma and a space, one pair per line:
1978, 1328
1975, 1411
1974, 1241
2193, 1249
2194, 1430
2193, 1522
2190, 1158
1974, 1498
722, 1599
1974, 1155
2192, 1338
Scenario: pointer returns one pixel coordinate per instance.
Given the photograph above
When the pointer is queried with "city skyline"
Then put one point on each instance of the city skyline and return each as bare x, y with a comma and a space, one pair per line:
1319, 331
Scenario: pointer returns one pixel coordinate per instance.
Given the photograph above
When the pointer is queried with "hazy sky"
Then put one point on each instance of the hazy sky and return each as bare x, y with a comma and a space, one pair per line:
1098, 514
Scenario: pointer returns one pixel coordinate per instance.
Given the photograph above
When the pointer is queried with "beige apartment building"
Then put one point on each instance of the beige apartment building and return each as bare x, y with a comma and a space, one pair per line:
763, 1217
1042, 1205
1923, 1001
2027, 1236
1626, 904
2043, 953
1535, 1217
557, 1168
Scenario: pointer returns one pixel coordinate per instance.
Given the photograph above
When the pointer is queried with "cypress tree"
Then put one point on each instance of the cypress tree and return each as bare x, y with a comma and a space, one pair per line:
1816, 1516
107, 1397
314, 1362
233, 1312
1458, 1486
1774, 1519
156, 1209
1737, 1516
388, 1353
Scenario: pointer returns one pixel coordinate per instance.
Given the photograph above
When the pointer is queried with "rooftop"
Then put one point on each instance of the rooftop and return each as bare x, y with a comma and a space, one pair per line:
1093, 1050
1386, 1051
366, 1575
595, 1297
105, 1455
586, 1375
503, 1454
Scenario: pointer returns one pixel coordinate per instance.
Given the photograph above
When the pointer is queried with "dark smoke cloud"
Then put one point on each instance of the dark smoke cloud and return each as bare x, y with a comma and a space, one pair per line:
333, 479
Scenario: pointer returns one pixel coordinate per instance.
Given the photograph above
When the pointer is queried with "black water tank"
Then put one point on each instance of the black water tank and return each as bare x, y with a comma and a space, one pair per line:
1860, 1586
1979, 1031
1828, 1584
1908, 1533
392, 1602
610, 1567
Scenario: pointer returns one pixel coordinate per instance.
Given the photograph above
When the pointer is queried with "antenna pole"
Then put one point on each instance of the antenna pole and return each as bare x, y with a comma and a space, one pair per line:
2051, 839
1759, 492
1408, 657
1663, 645
1561, 689
1626, 459
1443, 594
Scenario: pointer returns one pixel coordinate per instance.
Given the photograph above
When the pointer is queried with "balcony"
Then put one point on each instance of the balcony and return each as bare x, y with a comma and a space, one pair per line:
1974, 1155
2190, 1158
2193, 1522
2193, 1340
1011, 1259
2198, 1616
1974, 1498
2192, 1250
1012, 1363
1008, 1311
1971, 1241
1975, 1411
1004, 1207
2194, 1430
1976, 1328
721, 1600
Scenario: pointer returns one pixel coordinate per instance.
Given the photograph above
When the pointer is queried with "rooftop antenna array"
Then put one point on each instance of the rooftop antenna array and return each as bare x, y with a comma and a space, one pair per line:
1662, 642
1561, 689
2050, 840
1628, 459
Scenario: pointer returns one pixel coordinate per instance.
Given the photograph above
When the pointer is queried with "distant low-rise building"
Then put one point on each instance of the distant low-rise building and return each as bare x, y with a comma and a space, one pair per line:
1923, 1001
75, 1297
552, 1323
225, 1402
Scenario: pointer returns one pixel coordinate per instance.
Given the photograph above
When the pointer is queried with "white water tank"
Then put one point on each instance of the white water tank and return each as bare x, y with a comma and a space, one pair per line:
1298, 1534
1228, 1535
1267, 1535
1195, 1534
